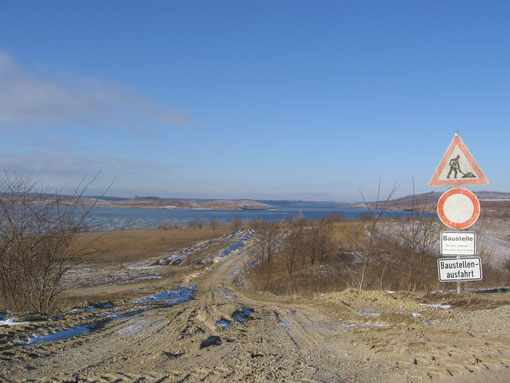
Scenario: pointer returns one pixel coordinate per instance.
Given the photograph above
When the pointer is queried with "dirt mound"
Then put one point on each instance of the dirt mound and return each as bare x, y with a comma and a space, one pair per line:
373, 301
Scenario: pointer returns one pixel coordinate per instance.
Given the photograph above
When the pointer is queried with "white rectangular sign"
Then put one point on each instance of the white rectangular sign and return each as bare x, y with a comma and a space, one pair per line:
458, 243
459, 269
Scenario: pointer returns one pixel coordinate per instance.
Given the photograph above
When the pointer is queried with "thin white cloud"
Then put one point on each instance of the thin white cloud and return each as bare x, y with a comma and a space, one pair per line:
68, 165
28, 97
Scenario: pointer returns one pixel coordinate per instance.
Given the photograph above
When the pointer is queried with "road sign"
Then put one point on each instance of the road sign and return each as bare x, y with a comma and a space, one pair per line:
458, 167
460, 269
458, 243
458, 208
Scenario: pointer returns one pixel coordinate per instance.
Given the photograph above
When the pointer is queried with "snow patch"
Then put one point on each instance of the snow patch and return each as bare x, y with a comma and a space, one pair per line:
369, 313
12, 322
437, 306
135, 328
140, 267
225, 294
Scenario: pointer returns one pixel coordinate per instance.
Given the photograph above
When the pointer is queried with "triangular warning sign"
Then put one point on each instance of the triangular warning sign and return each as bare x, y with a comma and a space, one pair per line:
458, 167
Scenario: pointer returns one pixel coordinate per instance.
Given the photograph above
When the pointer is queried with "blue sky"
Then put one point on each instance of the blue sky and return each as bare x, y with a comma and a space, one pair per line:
252, 99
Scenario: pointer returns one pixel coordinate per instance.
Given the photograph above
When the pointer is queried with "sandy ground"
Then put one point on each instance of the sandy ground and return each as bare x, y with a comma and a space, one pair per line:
229, 332
495, 240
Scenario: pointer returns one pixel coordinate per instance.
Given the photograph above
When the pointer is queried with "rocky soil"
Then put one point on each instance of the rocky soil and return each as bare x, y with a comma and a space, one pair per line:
212, 327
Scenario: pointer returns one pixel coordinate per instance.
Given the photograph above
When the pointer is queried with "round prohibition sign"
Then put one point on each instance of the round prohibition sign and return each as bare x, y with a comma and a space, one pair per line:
458, 208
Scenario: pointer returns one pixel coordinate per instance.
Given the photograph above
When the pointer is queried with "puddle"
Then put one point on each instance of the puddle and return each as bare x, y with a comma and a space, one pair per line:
211, 341
70, 332
239, 317
175, 296
99, 307
127, 315
236, 271
173, 355
320, 325
242, 316
148, 277
224, 323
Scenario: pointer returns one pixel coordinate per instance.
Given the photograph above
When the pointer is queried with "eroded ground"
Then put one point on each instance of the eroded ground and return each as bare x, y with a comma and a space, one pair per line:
209, 325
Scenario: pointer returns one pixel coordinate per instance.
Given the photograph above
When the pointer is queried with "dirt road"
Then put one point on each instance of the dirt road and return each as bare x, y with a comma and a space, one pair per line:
228, 332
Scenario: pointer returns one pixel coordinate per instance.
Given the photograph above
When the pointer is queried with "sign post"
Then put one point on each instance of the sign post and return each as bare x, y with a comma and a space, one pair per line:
458, 209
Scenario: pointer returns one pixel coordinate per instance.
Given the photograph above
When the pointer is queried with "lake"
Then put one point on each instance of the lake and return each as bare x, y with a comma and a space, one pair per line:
128, 218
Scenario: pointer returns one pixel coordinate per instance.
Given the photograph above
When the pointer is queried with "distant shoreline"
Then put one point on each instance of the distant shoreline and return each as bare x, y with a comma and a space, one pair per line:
171, 204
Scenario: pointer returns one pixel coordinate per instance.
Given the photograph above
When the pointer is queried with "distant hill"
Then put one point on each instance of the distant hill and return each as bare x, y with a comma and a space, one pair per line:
306, 204
489, 200
153, 202
198, 204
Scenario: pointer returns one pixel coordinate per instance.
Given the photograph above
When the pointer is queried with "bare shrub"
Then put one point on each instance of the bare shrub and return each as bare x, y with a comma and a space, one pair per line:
236, 223
383, 249
267, 246
214, 223
412, 243
294, 244
196, 223
268, 234
367, 242
298, 256
38, 243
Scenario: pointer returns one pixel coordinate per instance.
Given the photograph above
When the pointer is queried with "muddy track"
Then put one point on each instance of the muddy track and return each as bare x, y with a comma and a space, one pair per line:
230, 333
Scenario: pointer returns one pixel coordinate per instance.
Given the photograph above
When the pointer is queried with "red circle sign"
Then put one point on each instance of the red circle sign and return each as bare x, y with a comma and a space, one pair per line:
458, 208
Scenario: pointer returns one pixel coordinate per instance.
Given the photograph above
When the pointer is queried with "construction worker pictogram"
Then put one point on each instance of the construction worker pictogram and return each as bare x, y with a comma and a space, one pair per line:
458, 167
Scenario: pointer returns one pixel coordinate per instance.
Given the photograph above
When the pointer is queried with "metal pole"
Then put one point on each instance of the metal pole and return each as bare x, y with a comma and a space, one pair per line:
459, 283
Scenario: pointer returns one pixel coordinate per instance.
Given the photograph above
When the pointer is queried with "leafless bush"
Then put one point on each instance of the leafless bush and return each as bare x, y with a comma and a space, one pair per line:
214, 223
268, 245
367, 243
296, 255
236, 223
294, 243
197, 223
38, 242
412, 243
383, 249
268, 234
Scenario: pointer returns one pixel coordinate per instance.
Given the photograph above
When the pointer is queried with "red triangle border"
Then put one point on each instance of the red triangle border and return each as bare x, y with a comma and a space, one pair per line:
481, 180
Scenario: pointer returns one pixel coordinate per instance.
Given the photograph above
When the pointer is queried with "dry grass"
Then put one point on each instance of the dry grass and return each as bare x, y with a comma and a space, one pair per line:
119, 246
112, 250
394, 264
